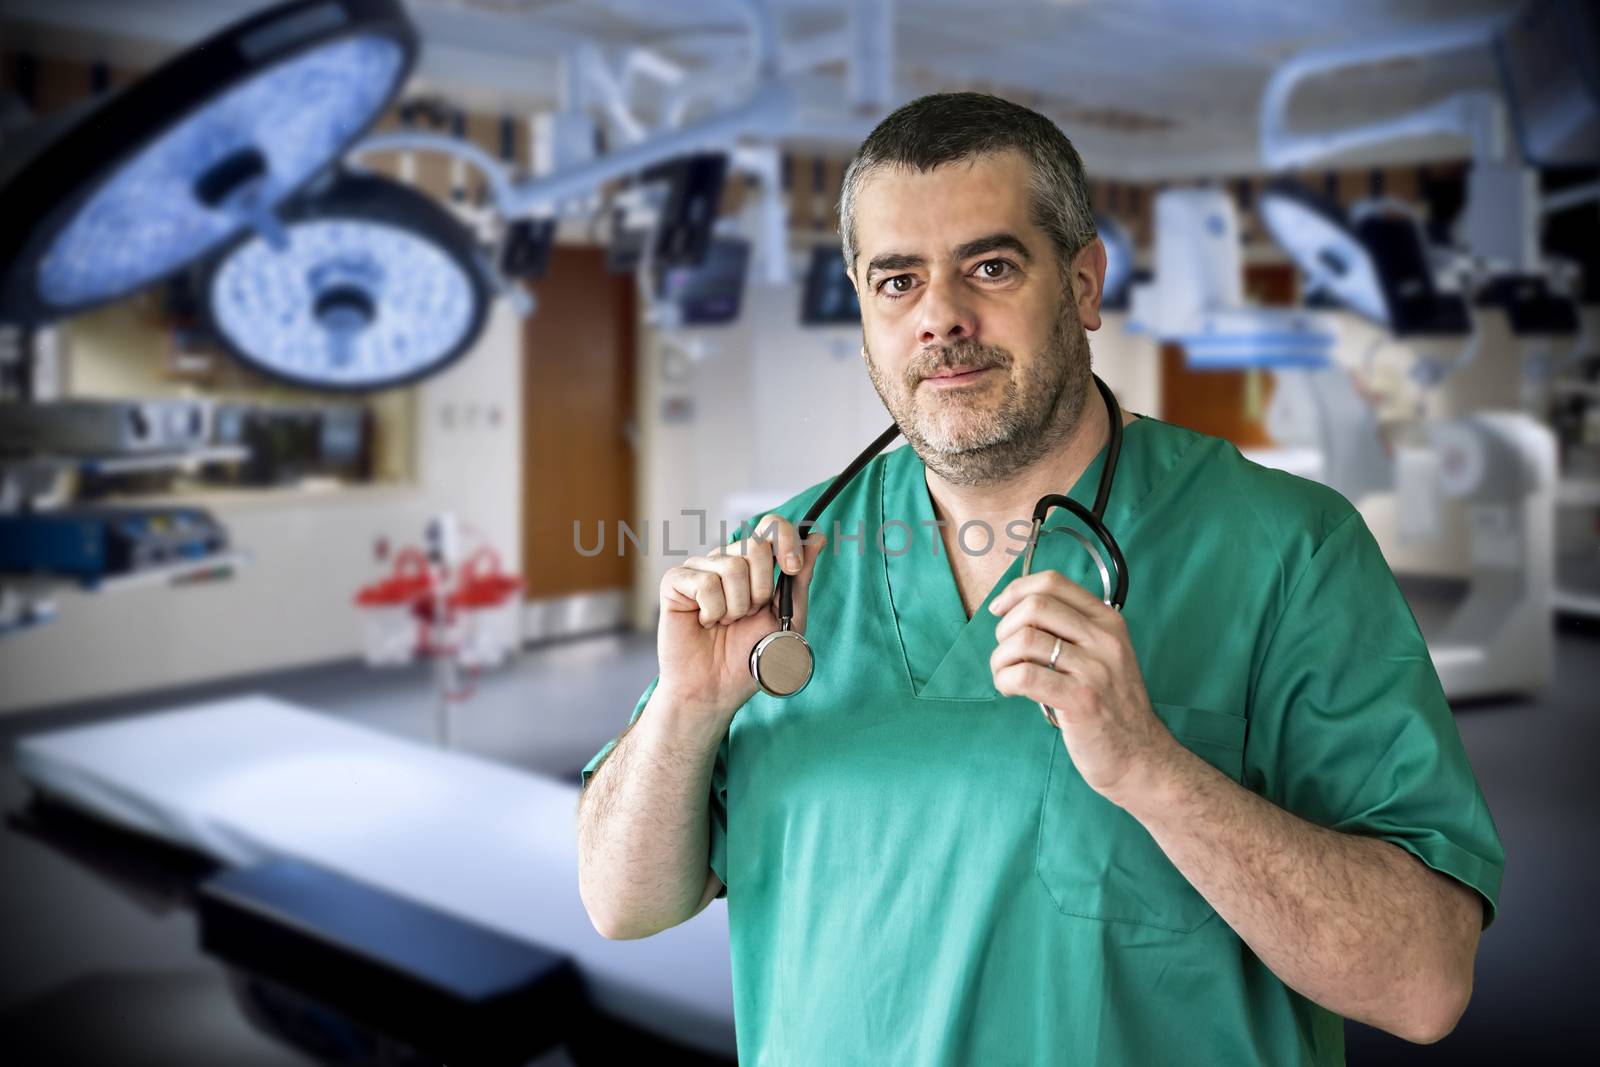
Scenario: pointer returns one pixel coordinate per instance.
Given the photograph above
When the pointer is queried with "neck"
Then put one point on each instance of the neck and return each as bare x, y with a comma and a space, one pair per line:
998, 503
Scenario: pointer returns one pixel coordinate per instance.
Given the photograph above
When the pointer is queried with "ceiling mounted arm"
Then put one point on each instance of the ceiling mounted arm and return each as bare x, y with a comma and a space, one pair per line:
771, 108
763, 39
760, 66
1477, 116
494, 171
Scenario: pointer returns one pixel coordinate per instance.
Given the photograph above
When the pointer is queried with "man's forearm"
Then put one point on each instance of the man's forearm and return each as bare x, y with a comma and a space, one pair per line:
1353, 923
644, 822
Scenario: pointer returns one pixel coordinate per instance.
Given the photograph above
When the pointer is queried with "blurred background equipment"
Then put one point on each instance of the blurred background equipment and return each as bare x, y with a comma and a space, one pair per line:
95, 544
1547, 58
694, 191
1119, 263
105, 427
526, 253
1196, 298
708, 292
829, 299
284, 444
140, 186
458, 609
1498, 460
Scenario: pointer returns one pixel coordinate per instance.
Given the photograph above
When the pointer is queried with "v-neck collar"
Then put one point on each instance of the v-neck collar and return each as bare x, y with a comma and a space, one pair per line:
945, 654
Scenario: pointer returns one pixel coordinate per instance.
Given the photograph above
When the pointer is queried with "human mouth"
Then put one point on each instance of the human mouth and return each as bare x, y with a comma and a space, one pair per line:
953, 376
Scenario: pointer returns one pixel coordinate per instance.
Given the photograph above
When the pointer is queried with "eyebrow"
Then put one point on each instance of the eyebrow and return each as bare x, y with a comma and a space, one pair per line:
994, 242
893, 261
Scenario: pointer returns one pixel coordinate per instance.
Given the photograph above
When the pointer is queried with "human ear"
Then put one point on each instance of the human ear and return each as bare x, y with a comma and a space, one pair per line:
1088, 282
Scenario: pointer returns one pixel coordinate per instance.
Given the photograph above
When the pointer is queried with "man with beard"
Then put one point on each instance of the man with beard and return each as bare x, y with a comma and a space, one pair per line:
1252, 814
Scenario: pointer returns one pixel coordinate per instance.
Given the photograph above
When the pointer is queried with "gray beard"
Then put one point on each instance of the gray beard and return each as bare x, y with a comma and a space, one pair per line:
1036, 415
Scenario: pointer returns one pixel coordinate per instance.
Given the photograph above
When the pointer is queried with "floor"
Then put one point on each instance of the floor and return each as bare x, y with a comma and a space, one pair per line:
93, 974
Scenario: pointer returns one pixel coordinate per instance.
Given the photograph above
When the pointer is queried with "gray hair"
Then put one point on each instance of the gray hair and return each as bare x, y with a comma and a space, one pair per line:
950, 127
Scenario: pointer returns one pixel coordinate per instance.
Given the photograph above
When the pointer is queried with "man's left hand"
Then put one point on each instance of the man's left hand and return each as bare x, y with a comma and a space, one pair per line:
1111, 732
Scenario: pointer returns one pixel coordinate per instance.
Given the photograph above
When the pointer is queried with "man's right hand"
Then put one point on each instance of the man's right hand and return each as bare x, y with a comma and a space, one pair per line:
714, 608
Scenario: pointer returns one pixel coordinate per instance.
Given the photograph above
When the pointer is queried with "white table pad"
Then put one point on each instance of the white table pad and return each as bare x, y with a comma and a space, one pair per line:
253, 777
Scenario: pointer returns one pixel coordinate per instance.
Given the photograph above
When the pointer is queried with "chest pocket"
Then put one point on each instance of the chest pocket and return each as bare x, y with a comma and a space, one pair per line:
1098, 862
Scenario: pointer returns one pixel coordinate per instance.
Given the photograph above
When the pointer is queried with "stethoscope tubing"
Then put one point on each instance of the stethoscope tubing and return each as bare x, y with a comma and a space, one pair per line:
1116, 590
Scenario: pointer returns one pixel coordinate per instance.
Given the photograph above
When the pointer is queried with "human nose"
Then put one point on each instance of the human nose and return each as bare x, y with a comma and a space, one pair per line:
944, 313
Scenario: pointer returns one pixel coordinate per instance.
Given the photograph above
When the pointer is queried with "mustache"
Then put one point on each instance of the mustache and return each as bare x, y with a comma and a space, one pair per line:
971, 354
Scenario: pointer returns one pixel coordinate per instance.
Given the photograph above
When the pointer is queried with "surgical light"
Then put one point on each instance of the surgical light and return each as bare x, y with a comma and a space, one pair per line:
184, 159
372, 285
1314, 233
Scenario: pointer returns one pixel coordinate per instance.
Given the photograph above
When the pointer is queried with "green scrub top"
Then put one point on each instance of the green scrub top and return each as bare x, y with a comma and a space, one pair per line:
915, 871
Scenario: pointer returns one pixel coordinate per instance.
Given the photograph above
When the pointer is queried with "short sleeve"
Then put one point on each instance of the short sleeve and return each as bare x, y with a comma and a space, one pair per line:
1349, 726
719, 791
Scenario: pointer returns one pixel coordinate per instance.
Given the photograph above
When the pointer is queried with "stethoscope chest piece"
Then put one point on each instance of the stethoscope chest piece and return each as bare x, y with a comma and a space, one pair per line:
781, 663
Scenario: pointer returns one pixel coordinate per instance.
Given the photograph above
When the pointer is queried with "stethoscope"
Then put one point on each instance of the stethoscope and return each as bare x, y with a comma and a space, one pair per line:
782, 661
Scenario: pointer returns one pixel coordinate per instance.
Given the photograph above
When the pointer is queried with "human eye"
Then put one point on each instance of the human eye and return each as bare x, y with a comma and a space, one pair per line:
995, 270
896, 286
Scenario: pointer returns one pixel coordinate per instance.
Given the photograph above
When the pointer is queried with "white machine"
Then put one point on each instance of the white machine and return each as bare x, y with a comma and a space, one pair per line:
1197, 296
1503, 466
